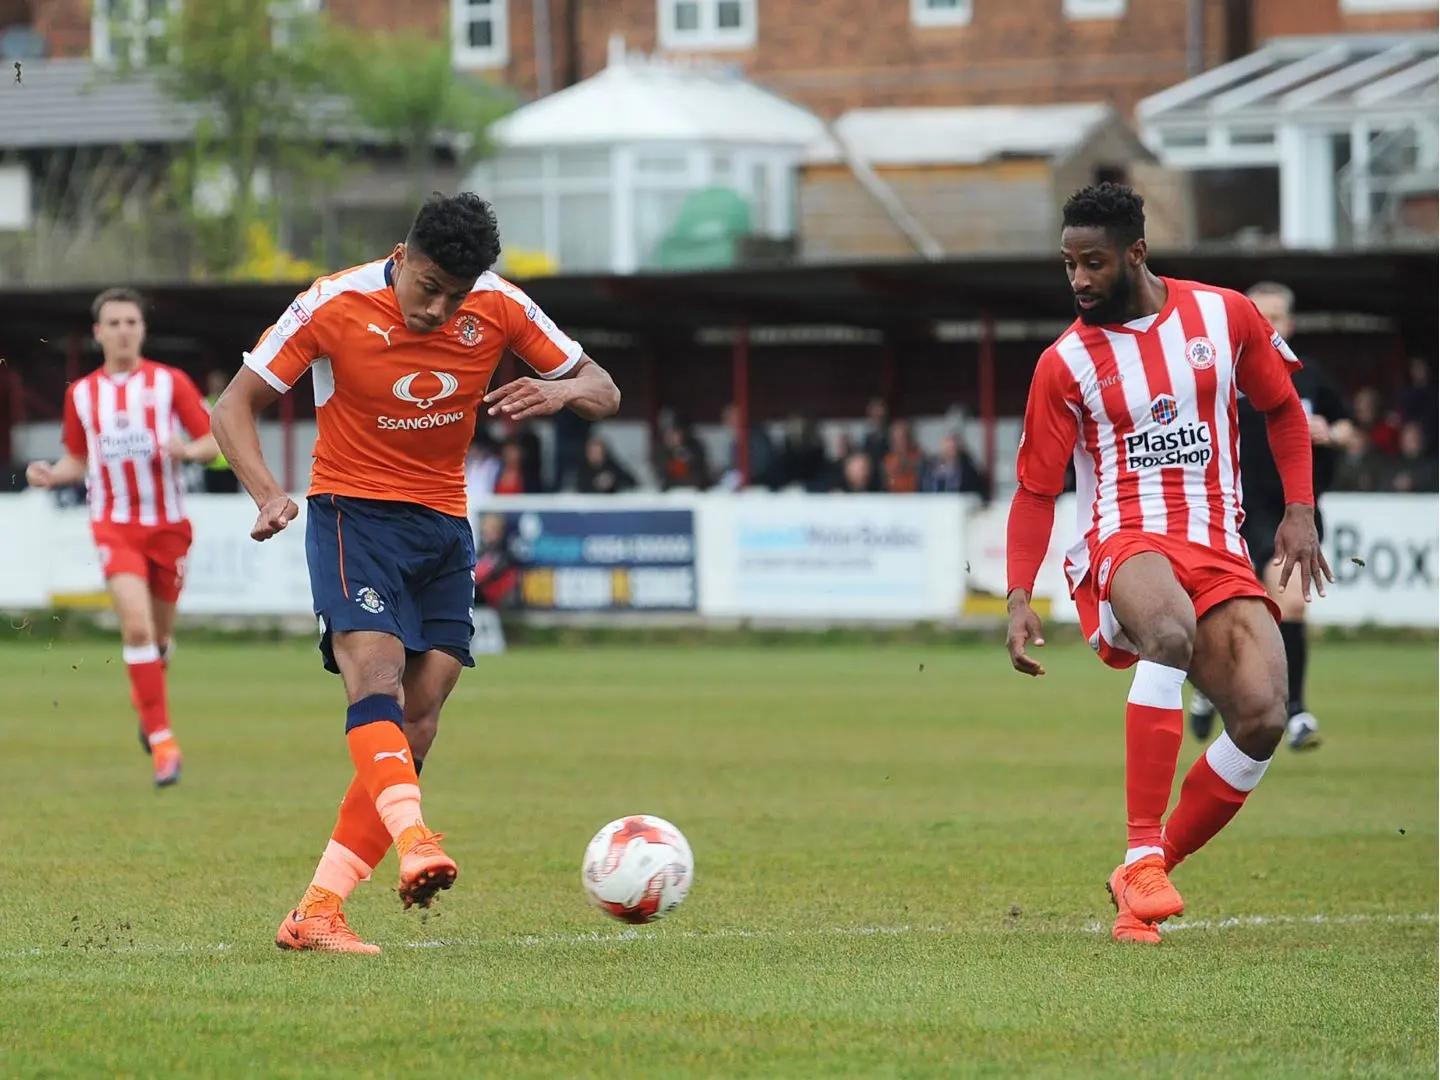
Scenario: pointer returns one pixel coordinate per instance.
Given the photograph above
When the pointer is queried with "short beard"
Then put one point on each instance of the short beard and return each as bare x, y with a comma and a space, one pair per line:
1113, 308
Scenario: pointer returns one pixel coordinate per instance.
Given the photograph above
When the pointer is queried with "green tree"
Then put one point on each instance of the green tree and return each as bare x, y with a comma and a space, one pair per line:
404, 88
257, 77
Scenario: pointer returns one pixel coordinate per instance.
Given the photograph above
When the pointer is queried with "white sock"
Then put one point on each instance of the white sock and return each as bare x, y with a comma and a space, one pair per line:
1157, 686
1233, 765
1135, 854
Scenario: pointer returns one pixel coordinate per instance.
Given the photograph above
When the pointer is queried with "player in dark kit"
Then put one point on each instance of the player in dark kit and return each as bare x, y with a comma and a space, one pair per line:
1331, 429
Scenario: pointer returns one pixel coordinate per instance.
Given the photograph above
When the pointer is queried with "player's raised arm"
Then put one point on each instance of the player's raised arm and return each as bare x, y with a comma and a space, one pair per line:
271, 369
569, 378
1262, 371
1047, 442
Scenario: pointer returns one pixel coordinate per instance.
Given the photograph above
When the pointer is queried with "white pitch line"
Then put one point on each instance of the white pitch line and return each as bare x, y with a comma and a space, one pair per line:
621, 937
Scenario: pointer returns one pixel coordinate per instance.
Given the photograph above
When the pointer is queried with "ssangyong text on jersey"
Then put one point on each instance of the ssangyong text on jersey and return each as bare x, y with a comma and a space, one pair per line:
419, 423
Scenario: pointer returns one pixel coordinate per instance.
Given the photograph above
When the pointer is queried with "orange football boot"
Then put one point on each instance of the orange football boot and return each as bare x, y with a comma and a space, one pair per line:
1127, 927
318, 925
1147, 891
424, 868
1143, 898
166, 760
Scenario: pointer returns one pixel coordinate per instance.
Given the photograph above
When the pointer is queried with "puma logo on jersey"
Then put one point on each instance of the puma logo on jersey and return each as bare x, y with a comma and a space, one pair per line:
383, 333
397, 754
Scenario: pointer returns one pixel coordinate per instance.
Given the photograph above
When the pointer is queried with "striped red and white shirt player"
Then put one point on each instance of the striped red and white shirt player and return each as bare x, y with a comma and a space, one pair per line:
119, 425
1147, 411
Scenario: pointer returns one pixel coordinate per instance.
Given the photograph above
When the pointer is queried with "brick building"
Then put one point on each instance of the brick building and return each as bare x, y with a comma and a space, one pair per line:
994, 65
816, 52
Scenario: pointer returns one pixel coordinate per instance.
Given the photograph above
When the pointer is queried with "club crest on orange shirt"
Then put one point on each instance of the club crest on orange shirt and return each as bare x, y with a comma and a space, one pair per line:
468, 330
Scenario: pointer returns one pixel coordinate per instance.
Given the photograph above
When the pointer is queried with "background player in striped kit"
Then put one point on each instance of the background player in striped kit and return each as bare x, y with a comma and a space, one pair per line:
1141, 392
123, 436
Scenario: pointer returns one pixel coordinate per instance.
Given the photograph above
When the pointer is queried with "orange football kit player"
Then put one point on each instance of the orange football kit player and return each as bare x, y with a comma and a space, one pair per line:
401, 352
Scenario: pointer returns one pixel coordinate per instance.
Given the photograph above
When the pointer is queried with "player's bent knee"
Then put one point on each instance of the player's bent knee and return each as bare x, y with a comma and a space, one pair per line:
378, 679
1169, 640
136, 636
375, 709
1256, 716
1292, 606
1258, 734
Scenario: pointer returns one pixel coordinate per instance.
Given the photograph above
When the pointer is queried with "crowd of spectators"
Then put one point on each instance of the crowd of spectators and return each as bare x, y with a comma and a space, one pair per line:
883, 455
1396, 451
1397, 444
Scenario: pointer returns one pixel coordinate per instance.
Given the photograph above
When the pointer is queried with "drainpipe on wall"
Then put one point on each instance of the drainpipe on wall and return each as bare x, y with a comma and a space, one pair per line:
1195, 39
544, 52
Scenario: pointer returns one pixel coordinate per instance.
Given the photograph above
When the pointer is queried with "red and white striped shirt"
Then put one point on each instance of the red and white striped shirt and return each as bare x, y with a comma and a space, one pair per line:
120, 424
1148, 411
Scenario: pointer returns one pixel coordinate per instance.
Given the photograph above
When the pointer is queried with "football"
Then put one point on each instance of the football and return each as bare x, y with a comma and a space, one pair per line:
638, 868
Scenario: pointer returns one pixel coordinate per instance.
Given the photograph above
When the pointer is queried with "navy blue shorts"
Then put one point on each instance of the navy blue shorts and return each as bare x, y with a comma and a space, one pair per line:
392, 567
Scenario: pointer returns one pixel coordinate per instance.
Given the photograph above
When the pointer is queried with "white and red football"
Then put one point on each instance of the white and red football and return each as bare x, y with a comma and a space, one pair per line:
638, 868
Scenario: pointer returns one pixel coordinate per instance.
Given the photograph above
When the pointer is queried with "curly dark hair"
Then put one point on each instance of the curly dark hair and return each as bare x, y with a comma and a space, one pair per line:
458, 233
1115, 208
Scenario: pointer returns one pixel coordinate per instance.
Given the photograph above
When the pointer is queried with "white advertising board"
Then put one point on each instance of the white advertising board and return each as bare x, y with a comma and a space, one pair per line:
985, 539
230, 574
1395, 582
843, 557
832, 556
1383, 552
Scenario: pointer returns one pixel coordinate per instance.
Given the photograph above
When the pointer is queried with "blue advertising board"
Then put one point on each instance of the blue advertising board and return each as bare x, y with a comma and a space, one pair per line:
604, 560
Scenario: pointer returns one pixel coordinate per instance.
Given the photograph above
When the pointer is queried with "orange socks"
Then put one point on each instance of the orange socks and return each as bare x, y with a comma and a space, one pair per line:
383, 800
381, 754
359, 828
356, 847
147, 691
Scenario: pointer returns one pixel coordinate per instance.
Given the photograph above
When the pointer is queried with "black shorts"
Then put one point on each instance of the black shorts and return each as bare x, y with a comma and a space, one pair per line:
1258, 533
396, 568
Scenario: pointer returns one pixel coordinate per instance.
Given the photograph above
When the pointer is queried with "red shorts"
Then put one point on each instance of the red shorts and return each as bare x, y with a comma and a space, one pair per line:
1209, 577
153, 552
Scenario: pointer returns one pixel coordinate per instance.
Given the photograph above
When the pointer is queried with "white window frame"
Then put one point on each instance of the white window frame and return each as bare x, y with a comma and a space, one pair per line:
709, 36
100, 51
1094, 9
498, 53
922, 14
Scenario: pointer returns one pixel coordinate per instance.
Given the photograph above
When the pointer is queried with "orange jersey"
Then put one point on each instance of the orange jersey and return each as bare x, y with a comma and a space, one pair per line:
396, 411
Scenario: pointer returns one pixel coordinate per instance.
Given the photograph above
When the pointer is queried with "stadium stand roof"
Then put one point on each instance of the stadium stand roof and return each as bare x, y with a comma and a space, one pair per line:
901, 299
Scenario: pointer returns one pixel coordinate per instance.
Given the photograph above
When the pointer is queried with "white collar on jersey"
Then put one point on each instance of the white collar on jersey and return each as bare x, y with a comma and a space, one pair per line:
1145, 322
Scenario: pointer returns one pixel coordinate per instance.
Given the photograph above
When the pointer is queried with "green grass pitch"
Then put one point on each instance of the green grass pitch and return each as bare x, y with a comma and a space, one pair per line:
901, 855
